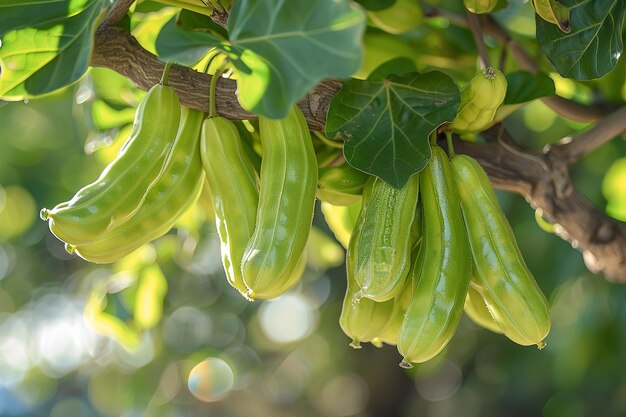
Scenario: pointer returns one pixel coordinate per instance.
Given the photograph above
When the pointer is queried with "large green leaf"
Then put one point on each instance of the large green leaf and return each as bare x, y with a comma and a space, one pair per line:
523, 86
185, 44
46, 44
281, 49
594, 45
386, 123
18, 14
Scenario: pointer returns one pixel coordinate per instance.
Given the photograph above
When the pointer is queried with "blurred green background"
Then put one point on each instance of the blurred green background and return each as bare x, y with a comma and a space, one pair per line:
162, 333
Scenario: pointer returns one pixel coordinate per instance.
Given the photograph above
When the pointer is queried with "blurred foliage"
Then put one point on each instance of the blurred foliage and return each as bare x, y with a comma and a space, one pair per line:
161, 333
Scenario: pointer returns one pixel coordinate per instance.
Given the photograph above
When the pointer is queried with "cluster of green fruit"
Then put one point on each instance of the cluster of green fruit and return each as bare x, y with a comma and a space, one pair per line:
414, 264
263, 219
156, 177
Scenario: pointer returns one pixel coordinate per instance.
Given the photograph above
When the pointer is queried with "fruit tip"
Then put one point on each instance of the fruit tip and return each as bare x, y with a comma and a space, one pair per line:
405, 364
70, 248
355, 344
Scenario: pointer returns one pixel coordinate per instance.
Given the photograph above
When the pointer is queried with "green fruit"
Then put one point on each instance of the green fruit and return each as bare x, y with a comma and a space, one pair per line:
173, 192
476, 309
480, 6
382, 248
480, 99
273, 259
510, 292
340, 185
122, 187
363, 319
442, 269
233, 184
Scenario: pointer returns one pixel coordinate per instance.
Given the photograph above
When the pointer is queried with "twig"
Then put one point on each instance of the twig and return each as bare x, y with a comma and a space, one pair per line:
571, 148
477, 33
576, 111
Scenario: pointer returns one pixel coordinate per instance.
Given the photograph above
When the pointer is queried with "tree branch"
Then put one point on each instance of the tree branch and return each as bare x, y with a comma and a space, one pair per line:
477, 33
117, 12
571, 148
118, 50
542, 178
219, 17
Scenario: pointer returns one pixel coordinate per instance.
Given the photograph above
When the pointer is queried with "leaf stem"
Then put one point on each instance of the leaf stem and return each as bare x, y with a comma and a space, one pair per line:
166, 73
327, 141
212, 88
450, 144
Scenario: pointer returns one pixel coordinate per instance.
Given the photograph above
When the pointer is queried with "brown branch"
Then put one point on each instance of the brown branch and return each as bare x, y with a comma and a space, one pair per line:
545, 183
118, 50
477, 33
117, 12
220, 17
571, 148
542, 178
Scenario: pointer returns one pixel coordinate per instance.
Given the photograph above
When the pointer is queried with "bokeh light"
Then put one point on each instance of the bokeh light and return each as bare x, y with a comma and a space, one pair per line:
17, 211
187, 329
70, 408
288, 319
211, 380
614, 189
344, 395
437, 381
538, 116
7, 260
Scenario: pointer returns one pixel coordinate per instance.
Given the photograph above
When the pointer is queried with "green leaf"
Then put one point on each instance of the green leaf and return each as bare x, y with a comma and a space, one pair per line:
524, 86
19, 14
177, 42
114, 88
107, 117
385, 124
376, 4
200, 23
151, 291
396, 66
281, 49
46, 45
594, 45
